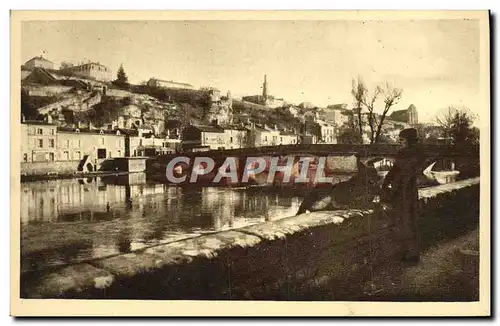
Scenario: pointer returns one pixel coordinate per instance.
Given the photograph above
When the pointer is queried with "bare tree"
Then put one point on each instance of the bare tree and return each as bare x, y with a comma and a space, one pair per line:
456, 124
363, 98
391, 97
359, 91
445, 120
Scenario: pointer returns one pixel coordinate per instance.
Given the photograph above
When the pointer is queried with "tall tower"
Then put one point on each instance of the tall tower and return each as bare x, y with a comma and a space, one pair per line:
412, 115
264, 88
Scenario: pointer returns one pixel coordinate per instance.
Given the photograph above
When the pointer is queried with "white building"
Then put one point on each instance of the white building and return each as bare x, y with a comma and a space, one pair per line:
155, 82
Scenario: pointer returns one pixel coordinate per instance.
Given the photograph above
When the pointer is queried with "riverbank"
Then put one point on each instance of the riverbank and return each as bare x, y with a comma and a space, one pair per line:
55, 176
277, 260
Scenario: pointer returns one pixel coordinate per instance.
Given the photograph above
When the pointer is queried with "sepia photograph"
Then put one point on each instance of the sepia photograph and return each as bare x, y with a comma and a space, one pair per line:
326, 163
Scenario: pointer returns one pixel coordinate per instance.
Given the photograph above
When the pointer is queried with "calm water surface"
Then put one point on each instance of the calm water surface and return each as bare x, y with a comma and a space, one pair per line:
73, 220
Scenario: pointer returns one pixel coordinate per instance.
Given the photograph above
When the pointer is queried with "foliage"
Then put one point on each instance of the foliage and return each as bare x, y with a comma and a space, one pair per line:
121, 78
31, 104
66, 64
107, 110
349, 134
457, 125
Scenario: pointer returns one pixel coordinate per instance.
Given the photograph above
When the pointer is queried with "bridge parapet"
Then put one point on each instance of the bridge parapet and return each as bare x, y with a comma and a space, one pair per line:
278, 259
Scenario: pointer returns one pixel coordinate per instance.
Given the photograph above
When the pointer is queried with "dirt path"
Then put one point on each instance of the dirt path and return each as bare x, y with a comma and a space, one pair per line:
443, 274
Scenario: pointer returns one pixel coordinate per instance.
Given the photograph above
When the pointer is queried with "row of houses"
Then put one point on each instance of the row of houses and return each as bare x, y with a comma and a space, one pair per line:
216, 136
44, 141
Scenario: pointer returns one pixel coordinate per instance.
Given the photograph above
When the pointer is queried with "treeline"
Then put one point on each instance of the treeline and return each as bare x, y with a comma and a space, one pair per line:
30, 105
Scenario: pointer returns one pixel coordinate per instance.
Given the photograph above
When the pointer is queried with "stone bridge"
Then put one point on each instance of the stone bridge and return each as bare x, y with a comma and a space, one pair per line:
463, 159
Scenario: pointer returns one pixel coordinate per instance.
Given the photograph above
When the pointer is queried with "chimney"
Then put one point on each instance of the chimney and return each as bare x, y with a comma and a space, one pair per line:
48, 118
23, 118
91, 126
79, 124
215, 122
275, 127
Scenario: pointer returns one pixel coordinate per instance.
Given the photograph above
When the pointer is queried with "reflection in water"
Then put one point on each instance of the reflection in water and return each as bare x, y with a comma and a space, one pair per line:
78, 219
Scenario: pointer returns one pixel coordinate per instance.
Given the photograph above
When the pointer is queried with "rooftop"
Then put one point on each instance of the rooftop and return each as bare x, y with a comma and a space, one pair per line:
37, 122
86, 64
38, 58
89, 131
233, 127
171, 81
207, 128
287, 133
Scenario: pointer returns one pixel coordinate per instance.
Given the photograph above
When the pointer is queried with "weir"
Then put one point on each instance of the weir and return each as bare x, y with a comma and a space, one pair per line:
284, 259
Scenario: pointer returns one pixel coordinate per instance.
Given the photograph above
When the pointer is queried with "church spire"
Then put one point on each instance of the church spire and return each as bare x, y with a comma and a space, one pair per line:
264, 88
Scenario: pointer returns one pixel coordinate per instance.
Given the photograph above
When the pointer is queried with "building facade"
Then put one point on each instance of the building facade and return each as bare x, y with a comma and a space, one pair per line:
212, 137
38, 62
338, 117
155, 82
235, 136
75, 144
328, 133
92, 70
45, 142
409, 116
38, 141
264, 136
288, 138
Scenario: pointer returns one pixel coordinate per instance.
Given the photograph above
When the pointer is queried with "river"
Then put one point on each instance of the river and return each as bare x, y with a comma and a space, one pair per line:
73, 220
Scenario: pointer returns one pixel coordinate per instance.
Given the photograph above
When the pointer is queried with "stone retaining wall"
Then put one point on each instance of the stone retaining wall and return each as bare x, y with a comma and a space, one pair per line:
283, 259
41, 168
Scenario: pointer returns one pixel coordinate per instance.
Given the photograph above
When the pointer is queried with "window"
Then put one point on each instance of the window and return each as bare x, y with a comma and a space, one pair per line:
40, 143
281, 139
51, 143
52, 132
51, 157
119, 153
25, 157
79, 143
265, 138
101, 153
39, 131
67, 143
231, 139
77, 155
65, 155
102, 141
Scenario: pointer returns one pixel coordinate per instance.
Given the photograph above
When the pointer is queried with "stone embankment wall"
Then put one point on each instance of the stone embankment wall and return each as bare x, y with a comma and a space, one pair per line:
63, 167
283, 259
41, 168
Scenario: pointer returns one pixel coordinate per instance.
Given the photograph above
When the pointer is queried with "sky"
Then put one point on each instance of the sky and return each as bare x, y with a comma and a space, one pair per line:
435, 62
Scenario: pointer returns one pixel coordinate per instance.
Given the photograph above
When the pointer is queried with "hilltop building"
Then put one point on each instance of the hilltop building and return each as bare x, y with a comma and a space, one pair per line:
38, 62
265, 99
409, 116
90, 70
155, 82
